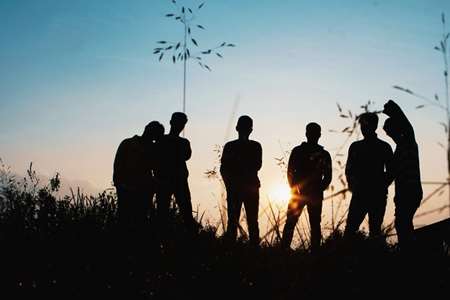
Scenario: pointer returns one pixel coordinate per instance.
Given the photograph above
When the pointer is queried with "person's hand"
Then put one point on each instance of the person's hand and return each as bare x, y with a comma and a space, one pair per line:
390, 108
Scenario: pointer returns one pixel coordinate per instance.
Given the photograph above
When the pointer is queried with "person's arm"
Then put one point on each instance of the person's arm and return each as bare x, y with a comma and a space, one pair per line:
350, 168
118, 165
188, 150
389, 163
327, 172
395, 112
224, 163
258, 157
291, 167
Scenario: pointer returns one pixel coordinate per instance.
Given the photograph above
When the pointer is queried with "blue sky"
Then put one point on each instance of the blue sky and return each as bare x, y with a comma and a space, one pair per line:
77, 77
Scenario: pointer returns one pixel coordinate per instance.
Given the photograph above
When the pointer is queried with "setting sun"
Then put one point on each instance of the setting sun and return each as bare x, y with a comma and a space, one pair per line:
280, 193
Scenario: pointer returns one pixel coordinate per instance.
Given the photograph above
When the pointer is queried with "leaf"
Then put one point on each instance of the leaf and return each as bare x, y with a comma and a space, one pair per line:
231, 45
161, 56
206, 52
156, 51
188, 53
223, 44
403, 89
437, 48
170, 15
161, 42
201, 5
190, 10
177, 46
219, 55
441, 145
339, 107
174, 2
445, 126
173, 58
201, 65
420, 106
443, 18
343, 116
346, 129
182, 10
198, 58
170, 47
178, 18
209, 69
201, 27
436, 97
195, 42
189, 30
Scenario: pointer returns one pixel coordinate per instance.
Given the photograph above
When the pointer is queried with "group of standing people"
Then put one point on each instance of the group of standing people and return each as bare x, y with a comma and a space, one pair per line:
155, 164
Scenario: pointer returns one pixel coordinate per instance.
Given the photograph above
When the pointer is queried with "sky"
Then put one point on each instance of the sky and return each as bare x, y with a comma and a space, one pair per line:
77, 77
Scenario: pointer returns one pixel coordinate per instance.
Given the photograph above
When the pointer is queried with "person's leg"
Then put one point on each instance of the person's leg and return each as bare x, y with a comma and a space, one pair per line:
377, 210
152, 201
315, 217
251, 204
234, 204
121, 200
183, 199
125, 207
162, 204
404, 214
356, 213
294, 211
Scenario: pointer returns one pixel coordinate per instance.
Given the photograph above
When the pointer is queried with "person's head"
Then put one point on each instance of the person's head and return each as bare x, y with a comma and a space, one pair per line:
313, 132
177, 122
153, 131
244, 126
392, 129
369, 123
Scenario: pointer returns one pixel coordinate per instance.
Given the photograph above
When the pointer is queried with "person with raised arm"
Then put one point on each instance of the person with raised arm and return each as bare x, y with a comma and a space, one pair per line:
405, 171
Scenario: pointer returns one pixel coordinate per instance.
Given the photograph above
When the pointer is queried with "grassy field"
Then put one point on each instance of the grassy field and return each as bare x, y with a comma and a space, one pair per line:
73, 248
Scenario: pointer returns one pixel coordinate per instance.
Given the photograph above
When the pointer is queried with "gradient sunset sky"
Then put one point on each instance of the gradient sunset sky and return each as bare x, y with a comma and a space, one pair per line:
79, 76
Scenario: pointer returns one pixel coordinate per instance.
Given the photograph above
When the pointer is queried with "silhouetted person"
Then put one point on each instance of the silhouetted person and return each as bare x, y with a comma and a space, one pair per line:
240, 163
309, 174
367, 163
172, 173
405, 171
133, 174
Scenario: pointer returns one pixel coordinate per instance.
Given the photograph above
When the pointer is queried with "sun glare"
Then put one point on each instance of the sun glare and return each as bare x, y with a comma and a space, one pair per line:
280, 193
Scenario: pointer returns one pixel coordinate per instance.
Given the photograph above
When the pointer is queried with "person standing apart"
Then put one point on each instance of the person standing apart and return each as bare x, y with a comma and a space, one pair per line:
240, 162
309, 174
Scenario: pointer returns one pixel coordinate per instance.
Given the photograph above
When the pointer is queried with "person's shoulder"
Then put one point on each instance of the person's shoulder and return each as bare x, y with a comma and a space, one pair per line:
384, 144
129, 141
255, 144
167, 138
324, 151
357, 143
183, 140
297, 149
230, 143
